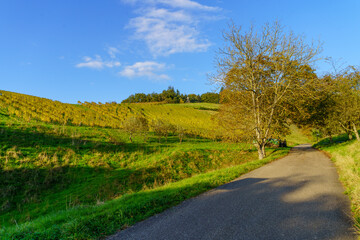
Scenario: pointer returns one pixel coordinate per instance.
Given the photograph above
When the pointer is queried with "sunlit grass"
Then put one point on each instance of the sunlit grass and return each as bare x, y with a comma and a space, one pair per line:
202, 106
346, 156
297, 137
92, 222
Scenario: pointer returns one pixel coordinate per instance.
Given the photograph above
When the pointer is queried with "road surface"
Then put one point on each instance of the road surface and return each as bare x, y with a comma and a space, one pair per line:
296, 197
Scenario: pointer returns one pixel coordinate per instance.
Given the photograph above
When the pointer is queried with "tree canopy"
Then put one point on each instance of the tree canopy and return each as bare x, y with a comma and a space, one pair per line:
261, 72
336, 107
172, 96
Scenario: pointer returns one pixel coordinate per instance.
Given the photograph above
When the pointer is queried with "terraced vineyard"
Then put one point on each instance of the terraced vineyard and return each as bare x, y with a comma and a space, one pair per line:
112, 115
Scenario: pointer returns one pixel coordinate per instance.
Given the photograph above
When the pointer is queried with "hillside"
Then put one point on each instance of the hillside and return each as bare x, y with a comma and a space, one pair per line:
61, 175
111, 115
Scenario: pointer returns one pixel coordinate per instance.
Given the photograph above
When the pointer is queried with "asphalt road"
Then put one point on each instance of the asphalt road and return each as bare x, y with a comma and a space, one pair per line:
297, 197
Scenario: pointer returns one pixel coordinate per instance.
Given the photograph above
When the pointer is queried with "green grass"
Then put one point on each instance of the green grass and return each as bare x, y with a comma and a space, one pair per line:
346, 156
297, 137
91, 222
52, 174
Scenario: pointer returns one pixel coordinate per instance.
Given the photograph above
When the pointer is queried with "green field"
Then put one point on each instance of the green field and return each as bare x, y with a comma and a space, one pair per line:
64, 181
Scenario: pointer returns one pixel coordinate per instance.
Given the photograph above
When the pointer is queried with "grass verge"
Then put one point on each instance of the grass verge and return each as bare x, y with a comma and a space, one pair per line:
94, 222
346, 157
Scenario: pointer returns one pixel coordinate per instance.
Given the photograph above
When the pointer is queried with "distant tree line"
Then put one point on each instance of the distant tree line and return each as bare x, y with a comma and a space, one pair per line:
173, 96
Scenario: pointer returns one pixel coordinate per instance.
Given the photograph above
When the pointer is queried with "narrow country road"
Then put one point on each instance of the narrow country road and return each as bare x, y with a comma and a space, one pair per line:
297, 197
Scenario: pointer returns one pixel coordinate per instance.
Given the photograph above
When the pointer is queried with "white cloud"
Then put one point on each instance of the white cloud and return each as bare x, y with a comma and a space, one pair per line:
166, 15
97, 63
165, 37
171, 28
145, 69
112, 51
188, 4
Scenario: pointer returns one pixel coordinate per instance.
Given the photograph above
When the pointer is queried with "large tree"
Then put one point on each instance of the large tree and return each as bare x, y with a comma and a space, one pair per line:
347, 98
336, 105
260, 71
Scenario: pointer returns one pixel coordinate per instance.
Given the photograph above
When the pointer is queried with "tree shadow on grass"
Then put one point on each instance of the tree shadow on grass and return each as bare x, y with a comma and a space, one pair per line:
38, 140
30, 138
336, 140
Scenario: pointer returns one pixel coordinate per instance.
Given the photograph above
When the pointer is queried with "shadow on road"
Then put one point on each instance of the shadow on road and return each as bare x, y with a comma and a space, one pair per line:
270, 209
296, 199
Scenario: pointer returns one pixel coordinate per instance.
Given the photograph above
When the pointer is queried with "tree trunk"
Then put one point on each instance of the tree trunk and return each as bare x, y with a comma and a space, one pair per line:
350, 135
356, 132
330, 138
261, 150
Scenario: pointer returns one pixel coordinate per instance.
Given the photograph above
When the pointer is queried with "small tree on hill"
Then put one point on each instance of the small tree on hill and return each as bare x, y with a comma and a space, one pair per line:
137, 124
160, 128
181, 132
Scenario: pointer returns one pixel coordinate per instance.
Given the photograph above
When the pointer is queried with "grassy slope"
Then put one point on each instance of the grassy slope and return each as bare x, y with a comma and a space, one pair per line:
346, 156
297, 137
47, 168
52, 174
92, 222
194, 118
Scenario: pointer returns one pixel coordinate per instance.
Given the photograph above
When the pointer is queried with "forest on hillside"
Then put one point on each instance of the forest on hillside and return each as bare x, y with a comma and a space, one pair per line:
173, 96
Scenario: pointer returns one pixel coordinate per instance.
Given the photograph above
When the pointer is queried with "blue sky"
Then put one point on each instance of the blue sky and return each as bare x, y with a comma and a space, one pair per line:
105, 50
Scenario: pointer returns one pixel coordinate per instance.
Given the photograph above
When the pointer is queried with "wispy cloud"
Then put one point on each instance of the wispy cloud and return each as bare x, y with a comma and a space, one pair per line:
147, 69
112, 51
169, 26
98, 62
188, 4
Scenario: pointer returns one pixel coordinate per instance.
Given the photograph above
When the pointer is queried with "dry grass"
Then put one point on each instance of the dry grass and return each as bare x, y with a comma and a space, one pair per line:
346, 157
